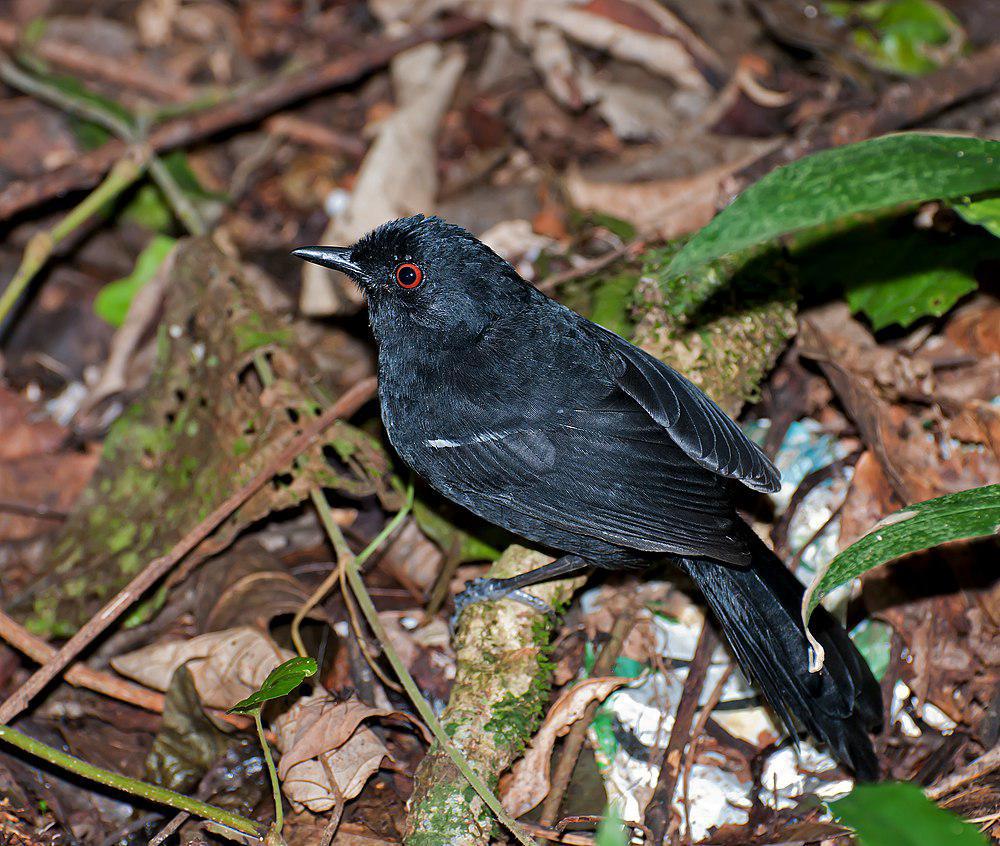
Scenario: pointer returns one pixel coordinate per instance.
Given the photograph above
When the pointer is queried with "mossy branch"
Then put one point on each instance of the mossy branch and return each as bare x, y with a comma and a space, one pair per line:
500, 692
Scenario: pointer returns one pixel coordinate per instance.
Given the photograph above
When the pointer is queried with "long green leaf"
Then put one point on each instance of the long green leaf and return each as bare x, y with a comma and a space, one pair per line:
895, 814
853, 179
966, 514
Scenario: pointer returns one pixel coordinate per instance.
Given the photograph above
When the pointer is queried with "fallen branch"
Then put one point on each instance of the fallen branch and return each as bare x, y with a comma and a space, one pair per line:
243, 105
501, 686
349, 403
450, 746
661, 802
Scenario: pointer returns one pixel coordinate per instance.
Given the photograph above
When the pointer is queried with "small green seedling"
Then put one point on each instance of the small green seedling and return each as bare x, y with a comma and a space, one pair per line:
281, 681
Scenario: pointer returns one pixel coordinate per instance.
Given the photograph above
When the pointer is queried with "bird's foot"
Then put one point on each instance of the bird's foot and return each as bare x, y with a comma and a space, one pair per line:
489, 590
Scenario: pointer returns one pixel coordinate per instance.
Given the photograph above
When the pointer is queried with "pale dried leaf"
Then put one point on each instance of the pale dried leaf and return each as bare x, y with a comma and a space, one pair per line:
398, 176
226, 666
664, 207
320, 738
529, 782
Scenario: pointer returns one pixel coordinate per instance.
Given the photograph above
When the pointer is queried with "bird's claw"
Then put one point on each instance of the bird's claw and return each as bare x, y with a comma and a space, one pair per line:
489, 590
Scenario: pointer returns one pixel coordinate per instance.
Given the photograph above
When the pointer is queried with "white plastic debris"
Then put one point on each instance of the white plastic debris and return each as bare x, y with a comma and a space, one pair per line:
791, 774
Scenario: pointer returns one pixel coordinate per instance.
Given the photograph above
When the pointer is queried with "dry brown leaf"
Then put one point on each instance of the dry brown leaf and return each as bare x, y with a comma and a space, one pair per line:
320, 739
664, 207
412, 559
226, 666
398, 176
529, 781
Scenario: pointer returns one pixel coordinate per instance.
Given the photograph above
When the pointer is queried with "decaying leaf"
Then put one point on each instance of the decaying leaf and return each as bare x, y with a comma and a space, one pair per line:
226, 666
664, 207
529, 782
398, 176
321, 739
205, 427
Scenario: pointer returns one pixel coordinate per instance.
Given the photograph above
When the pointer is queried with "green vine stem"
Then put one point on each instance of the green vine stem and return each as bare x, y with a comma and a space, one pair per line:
128, 785
279, 815
423, 707
41, 246
317, 595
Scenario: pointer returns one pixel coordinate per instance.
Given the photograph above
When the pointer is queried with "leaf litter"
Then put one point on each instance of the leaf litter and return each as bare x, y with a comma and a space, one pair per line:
576, 138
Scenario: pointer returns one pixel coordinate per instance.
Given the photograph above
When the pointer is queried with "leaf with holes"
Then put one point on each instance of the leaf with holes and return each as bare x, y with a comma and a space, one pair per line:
958, 516
853, 179
281, 681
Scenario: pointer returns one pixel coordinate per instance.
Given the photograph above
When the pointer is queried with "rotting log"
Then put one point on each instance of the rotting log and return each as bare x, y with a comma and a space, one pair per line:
502, 684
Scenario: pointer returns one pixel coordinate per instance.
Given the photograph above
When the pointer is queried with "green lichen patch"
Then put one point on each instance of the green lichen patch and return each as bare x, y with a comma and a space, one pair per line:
205, 426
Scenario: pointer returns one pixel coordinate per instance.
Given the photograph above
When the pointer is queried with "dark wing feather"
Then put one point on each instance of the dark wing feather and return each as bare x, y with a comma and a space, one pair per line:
694, 422
609, 474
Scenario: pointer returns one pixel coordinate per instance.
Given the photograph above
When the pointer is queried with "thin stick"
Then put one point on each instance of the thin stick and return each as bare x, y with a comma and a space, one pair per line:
279, 814
41, 246
658, 809
347, 405
698, 731
317, 595
419, 702
603, 666
129, 785
983, 765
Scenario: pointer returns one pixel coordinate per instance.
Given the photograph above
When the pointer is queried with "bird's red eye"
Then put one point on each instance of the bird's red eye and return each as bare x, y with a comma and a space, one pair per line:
408, 275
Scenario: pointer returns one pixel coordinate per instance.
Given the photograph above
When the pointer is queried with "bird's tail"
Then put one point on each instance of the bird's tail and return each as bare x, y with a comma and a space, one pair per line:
759, 610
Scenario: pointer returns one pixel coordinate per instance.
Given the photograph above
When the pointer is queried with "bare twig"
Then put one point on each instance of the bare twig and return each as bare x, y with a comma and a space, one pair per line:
603, 666
241, 106
550, 283
658, 809
79, 59
699, 730
349, 403
983, 765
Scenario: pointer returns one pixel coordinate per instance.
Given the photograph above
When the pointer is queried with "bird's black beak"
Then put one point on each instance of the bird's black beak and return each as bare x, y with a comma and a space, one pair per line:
336, 258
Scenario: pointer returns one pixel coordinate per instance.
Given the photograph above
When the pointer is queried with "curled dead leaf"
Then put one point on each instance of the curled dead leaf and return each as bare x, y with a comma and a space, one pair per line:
529, 783
322, 740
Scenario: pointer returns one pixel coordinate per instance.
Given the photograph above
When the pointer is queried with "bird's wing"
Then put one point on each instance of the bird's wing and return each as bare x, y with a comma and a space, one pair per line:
695, 423
608, 474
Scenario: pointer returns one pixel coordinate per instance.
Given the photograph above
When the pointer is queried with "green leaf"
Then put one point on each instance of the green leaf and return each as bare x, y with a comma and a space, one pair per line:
967, 514
281, 681
873, 638
149, 208
896, 814
611, 301
894, 273
833, 184
115, 298
985, 213
903, 36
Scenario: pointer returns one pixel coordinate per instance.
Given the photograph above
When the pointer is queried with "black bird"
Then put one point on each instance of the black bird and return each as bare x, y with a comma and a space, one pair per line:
560, 431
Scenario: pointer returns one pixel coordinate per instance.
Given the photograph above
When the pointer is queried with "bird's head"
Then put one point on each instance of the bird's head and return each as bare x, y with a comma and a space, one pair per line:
421, 273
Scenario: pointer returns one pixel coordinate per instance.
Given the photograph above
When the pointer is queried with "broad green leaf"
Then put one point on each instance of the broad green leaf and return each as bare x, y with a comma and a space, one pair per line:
897, 814
967, 514
893, 272
115, 298
281, 681
985, 213
150, 209
833, 184
611, 831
